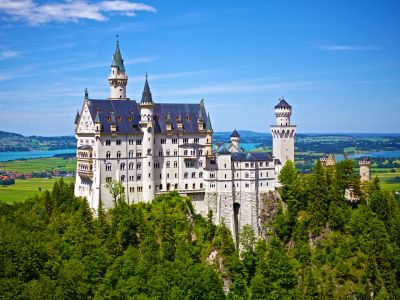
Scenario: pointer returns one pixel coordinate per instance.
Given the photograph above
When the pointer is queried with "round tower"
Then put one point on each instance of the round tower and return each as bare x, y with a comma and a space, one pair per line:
147, 126
117, 79
283, 133
365, 169
235, 141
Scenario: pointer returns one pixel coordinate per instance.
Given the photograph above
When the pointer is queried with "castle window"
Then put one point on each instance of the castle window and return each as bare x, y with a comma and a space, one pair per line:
160, 153
118, 142
168, 164
261, 164
247, 184
108, 179
200, 152
201, 175
108, 142
119, 154
122, 177
246, 175
167, 153
185, 152
149, 151
149, 175
157, 165
175, 164
246, 165
139, 154
140, 189
225, 176
185, 175
131, 178
185, 140
194, 186
201, 185
261, 174
174, 141
131, 153
160, 187
176, 175
186, 186
196, 140
108, 167
108, 154
200, 163
131, 189
122, 166
168, 176
139, 176
175, 152
212, 175
138, 165
163, 141
138, 142
176, 186
194, 175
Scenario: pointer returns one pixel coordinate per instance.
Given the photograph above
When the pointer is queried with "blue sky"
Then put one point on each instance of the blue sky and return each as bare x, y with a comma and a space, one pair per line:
336, 62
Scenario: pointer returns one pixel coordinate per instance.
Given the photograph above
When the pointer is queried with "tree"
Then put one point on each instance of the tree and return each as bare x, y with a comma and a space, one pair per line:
116, 190
247, 238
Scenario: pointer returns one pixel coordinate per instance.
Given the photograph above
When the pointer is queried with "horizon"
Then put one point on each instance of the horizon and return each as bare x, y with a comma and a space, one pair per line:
337, 63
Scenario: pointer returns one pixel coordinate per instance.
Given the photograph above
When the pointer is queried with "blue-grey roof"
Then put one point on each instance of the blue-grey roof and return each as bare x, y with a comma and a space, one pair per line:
251, 156
208, 123
283, 104
235, 134
126, 115
117, 59
146, 95
77, 117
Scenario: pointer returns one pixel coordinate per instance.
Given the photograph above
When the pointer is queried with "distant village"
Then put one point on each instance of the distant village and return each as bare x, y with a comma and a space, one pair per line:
8, 177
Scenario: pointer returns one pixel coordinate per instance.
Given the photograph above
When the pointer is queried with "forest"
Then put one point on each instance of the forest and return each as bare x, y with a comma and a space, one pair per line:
320, 246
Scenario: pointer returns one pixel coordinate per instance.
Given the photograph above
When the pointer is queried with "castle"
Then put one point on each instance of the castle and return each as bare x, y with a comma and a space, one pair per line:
154, 148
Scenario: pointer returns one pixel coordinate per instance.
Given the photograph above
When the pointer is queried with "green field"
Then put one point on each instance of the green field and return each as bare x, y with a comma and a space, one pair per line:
25, 188
389, 181
39, 165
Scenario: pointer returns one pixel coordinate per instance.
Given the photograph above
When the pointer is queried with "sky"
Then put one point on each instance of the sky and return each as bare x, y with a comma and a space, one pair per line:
336, 62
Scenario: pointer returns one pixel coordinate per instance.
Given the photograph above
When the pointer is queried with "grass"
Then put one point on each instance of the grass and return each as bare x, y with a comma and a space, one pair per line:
389, 181
39, 165
25, 188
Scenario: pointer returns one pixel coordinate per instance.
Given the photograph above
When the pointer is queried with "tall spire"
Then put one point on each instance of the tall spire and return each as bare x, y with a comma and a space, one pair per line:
146, 95
117, 59
208, 123
77, 117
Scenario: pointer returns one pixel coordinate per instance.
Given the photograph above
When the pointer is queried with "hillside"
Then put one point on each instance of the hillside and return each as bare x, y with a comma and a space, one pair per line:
16, 142
318, 246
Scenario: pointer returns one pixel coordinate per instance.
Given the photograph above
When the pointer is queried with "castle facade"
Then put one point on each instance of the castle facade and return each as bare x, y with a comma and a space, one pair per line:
154, 148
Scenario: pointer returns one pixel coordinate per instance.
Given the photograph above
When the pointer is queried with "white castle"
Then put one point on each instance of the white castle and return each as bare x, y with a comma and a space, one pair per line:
154, 148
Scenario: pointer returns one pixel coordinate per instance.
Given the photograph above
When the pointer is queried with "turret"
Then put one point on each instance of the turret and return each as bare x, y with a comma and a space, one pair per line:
117, 79
147, 126
283, 133
365, 169
209, 131
235, 141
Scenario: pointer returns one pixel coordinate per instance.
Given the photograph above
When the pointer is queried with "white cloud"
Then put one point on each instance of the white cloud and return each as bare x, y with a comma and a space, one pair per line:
68, 11
345, 47
6, 54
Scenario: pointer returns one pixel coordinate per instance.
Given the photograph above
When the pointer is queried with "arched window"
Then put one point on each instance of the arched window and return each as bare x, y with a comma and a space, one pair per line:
149, 151
108, 142
108, 167
108, 154
122, 177
201, 175
138, 165
185, 152
139, 154
201, 185
168, 164
122, 166
131, 153
200, 152
175, 164
131, 165
119, 154
194, 175
185, 175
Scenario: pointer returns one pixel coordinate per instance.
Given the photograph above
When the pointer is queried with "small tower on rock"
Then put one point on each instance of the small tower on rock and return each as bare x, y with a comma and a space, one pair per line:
365, 169
235, 141
283, 133
117, 79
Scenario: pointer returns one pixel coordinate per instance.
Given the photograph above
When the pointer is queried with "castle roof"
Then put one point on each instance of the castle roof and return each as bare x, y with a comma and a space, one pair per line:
127, 115
235, 134
77, 117
283, 104
117, 59
146, 95
251, 156
208, 123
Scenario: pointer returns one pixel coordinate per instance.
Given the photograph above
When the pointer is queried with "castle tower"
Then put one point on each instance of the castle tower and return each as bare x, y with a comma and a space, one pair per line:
365, 169
283, 133
147, 126
117, 79
235, 141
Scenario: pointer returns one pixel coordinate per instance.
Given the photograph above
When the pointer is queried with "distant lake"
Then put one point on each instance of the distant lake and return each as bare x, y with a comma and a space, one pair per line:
11, 155
386, 154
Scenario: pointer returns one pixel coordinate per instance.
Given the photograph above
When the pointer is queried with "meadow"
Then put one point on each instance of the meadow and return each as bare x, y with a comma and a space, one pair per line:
39, 165
25, 188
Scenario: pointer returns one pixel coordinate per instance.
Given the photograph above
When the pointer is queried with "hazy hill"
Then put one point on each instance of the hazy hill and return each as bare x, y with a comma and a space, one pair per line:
10, 141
